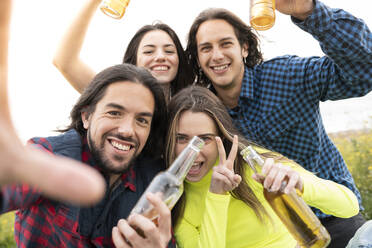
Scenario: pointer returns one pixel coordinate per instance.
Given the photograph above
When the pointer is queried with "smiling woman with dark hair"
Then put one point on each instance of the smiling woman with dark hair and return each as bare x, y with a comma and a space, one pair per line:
155, 47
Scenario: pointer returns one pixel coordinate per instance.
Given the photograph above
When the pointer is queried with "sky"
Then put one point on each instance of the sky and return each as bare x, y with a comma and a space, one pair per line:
41, 99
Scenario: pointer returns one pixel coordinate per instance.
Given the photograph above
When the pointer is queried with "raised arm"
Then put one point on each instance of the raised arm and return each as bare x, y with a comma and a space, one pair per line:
346, 70
61, 179
67, 57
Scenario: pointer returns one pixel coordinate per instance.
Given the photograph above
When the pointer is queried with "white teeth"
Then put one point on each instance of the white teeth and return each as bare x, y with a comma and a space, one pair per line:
120, 146
218, 68
196, 164
160, 68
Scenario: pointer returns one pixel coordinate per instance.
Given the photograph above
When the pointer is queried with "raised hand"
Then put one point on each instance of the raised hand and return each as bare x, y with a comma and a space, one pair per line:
224, 178
58, 178
124, 235
296, 8
274, 174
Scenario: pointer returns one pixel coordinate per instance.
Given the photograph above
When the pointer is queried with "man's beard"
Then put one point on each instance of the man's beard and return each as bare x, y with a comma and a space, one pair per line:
104, 163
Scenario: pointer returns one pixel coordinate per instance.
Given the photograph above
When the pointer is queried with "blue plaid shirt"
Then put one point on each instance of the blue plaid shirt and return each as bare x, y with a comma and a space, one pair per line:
279, 100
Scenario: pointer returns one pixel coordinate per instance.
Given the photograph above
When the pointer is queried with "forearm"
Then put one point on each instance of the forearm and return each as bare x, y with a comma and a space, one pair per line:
329, 197
67, 57
346, 40
4, 39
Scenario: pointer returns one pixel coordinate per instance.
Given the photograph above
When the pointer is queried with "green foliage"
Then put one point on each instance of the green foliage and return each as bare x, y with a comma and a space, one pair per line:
356, 149
7, 230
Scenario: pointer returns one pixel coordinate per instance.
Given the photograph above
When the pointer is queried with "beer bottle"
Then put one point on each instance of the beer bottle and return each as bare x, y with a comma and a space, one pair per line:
262, 14
295, 214
169, 184
114, 8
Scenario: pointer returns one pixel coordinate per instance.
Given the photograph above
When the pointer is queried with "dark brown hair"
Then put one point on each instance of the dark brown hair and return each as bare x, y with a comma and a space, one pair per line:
97, 89
243, 32
183, 77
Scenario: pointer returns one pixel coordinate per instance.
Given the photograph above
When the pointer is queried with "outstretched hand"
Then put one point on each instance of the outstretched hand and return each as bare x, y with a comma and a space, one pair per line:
58, 178
224, 178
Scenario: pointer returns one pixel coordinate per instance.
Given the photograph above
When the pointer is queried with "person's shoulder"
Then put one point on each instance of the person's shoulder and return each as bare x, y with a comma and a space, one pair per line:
67, 140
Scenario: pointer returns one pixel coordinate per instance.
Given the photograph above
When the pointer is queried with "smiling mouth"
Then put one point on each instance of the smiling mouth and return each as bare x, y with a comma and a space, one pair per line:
119, 146
195, 169
220, 68
160, 68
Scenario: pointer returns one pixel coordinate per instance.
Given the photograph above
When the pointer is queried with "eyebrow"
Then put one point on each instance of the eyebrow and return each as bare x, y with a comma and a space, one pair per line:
166, 45
221, 40
120, 107
200, 135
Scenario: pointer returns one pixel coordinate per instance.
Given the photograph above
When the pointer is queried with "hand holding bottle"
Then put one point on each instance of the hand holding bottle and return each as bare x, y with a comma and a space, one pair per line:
296, 8
292, 210
224, 178
278, 177
154, 235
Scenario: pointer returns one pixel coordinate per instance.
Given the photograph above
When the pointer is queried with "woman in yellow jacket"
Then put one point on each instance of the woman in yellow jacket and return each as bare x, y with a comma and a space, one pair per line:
223, 203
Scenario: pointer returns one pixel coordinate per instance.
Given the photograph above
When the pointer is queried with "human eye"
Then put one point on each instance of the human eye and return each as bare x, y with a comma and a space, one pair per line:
170, 51
181, 139
148, 52
205, 49
227, 44
143, 121
114, 113
207, 139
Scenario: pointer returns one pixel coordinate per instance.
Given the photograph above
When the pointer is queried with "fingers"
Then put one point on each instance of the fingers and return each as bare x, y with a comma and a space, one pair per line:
223, 180
237, 179
50, 175
125, 233
221, 150
268, 173
233, 152
140, 231
295, 181
279, 177
229, 163
118, 239
259, 178
164, 220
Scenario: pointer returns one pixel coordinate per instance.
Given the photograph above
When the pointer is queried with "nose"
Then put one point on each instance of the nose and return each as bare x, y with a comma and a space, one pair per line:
160, 56
126, 127
217, 54
200, 156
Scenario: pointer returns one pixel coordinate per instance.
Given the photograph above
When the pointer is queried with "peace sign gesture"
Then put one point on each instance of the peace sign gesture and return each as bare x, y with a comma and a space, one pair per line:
224, 178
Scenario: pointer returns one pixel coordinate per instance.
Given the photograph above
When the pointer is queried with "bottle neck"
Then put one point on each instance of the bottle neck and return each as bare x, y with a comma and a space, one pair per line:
181, 166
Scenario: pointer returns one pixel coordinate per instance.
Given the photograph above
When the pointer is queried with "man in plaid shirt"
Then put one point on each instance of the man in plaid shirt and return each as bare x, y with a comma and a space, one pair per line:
111, 130
276, 102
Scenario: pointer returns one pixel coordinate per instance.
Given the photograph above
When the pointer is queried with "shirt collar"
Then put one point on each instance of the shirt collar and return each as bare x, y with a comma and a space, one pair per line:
247, 84
128, 178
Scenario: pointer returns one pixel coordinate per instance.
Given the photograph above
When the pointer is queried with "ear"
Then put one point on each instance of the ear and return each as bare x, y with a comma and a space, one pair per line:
85, 117
245, 50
